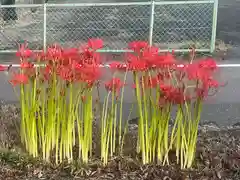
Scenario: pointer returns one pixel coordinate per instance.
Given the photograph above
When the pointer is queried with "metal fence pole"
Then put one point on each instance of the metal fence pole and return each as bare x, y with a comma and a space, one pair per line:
151, 22
44, 27
214, 26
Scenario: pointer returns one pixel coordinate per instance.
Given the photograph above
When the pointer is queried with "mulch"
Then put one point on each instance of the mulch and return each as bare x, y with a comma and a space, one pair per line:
217, 157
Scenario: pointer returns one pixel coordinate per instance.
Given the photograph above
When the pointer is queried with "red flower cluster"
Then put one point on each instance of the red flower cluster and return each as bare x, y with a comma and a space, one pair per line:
75, 64
114, 85
24, 52
169, 78
83, 65
144, 58
19, 79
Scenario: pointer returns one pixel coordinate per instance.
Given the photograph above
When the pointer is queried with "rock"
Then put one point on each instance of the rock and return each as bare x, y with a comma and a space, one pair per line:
209, 126
132, 127
236, 125
133, 121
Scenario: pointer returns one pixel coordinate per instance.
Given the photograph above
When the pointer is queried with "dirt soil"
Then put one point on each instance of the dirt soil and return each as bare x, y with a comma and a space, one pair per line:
218, 157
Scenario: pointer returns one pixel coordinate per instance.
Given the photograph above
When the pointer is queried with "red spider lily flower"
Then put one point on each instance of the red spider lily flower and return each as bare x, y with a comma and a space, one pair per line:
40, 56
3, 68
159, 61
89, 73
166, 89
96, 58
47, 71
200, 71
88, 54
114, 85
178, 96
166, 60
114, 65
173, 95
66, 73
150, 55
85, 50
211, 83
95, 44
31, 72
90, 83
199, 75
19, 79
118, 66
137, 46
149, 51
71, 52
201, 93
26, 65
131, 57
76, 65
207, 63
154, 81
23, 52
135, 63
54, 53
169, 58
89, 57
203, 90
69, 55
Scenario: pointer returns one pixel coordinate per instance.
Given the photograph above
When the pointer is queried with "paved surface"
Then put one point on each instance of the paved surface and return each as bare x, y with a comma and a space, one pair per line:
228, 28
224, 108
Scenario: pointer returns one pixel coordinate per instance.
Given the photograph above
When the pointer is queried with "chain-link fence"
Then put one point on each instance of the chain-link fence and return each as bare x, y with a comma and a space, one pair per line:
166, 24
180, 25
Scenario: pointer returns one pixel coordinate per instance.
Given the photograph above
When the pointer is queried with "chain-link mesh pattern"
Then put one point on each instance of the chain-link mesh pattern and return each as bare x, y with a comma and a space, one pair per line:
176, 26
20, 24
182, 25
116, 25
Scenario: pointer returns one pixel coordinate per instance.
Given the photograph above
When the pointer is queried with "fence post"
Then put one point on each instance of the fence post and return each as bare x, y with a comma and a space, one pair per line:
44, 27
214, 26
151, 22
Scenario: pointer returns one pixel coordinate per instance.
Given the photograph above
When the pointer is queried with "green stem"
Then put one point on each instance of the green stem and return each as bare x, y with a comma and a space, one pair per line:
121, 113
141, 121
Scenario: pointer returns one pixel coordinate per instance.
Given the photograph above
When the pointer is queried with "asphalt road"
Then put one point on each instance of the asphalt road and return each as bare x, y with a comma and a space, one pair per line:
223, 108
228, 27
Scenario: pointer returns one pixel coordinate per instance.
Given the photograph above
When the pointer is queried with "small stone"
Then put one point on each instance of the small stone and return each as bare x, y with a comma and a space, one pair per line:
209, 126
236, 125
132, 127
133, 120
